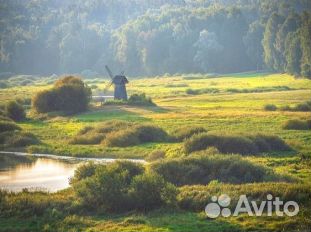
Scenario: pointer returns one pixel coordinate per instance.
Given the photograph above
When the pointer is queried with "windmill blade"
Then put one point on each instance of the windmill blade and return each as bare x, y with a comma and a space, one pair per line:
109, 71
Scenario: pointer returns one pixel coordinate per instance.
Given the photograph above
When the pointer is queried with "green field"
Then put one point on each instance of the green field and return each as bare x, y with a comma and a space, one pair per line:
231, 104
217, 112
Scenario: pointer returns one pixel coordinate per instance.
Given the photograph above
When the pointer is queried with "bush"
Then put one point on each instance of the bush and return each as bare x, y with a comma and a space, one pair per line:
15, 111
140, 99
22, 139
225, 144
122, 138
106, 190
202, 169
69, 94
270, 107
8, 126
84, 171
201, 91
88, 138
45, 101
149, 133
72, 98
193, 197
136, 135
302, 107
17, 139
186, 132
259, 89
155, 155
85, 130
150, 190
117, 133
121, 186
113, 125
251, 144
25, 204
296, 125
91, 135
266, 143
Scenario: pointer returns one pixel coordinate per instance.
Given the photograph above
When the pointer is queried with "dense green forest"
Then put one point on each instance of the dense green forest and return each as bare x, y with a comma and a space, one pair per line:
154, 37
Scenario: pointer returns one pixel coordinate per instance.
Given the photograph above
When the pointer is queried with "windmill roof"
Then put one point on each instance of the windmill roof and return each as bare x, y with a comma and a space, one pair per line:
119, 80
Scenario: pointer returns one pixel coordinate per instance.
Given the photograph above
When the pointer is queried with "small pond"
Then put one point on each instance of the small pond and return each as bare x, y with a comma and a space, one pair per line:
39, 172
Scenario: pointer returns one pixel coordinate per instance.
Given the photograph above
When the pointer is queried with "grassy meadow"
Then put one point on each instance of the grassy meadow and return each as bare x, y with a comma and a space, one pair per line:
230, 104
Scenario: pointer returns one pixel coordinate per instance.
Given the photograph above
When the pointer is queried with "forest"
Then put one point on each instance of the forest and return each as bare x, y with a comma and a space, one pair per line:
154, 37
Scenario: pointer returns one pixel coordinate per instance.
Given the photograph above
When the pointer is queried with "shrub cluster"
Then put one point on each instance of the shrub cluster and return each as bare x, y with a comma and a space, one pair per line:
270, 107
15, 111
8, 126
251, 144
155, 155
11, 135
140, 100
24, 204
195, 197
186, 132
201, 169
121, 186
69, 95
201, 91
135, 135
302, 107
296, 124
17, 139
259, 89
12, 110
120, 134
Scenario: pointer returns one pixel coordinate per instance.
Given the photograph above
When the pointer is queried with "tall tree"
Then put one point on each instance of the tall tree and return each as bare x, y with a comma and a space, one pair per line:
271, 55
293, 53
252, 41
306, 45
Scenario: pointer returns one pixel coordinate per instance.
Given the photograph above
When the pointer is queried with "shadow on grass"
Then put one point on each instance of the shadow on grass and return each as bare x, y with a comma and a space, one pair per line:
109, 113
164, 220
156, 109
246, 74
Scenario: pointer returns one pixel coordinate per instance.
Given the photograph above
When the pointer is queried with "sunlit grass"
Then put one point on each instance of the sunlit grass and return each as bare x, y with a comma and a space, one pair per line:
221, 112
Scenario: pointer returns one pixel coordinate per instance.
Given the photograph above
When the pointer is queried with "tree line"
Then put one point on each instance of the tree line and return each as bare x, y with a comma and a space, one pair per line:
154, 37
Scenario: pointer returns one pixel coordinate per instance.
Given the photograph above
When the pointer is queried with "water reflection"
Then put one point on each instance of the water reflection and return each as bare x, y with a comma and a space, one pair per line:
17, 173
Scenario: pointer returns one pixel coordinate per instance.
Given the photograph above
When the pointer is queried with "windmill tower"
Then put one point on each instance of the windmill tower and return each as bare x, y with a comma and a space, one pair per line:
119, 82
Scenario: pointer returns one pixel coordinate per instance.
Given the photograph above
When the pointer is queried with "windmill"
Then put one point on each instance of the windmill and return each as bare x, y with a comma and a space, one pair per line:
119, 82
